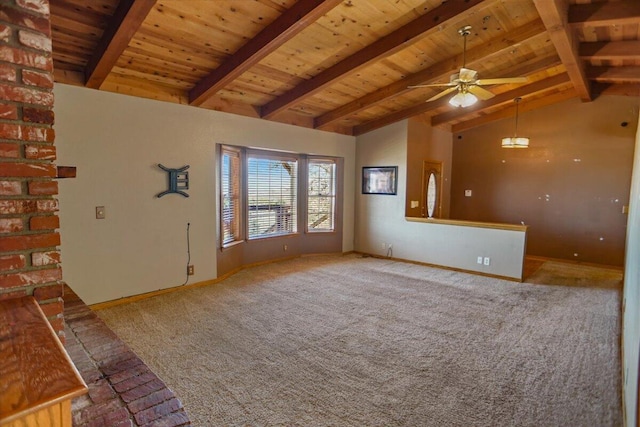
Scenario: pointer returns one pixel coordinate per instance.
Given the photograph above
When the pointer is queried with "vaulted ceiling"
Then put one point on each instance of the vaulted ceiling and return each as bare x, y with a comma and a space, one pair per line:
345, 65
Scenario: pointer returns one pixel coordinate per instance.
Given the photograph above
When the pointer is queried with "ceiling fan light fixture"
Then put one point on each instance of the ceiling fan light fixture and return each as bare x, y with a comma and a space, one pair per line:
516, 141
463, 99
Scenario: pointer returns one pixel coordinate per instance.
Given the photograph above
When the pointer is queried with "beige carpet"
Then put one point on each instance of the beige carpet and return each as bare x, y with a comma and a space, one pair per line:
353, 341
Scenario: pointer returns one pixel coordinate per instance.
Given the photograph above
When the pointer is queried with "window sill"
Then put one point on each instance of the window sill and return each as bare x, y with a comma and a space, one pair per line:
231, 244
272, 236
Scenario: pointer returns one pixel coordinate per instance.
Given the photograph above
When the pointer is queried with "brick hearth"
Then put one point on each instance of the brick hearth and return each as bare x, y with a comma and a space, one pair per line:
123, 391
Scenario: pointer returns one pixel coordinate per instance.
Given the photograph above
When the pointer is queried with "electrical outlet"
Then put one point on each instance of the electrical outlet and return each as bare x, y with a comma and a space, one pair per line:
285, 247
190, 271
487, 260
479, 260
384, 245
100, 212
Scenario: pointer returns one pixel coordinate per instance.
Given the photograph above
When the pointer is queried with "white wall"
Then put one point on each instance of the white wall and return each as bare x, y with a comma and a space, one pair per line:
116, 142
631, 316
380, 219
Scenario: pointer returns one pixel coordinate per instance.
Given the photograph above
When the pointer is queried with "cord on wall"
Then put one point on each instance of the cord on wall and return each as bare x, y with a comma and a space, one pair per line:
188, 255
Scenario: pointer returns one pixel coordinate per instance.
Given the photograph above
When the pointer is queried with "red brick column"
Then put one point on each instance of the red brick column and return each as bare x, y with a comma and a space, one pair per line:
29, 258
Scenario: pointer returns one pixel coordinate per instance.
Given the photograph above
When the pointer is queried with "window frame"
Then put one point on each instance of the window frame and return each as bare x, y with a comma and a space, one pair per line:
301, 186
239, 209
333, 194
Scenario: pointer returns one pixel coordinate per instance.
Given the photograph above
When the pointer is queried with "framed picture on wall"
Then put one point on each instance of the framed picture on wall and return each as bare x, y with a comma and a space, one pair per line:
380, 180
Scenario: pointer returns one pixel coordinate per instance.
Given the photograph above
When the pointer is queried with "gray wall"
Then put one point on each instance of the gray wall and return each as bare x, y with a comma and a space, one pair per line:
631, 317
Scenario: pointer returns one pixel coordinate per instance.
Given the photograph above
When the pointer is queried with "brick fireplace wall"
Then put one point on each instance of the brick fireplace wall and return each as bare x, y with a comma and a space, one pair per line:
29, 254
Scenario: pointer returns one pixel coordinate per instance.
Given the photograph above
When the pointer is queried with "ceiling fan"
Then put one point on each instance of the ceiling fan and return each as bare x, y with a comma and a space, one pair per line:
467, 83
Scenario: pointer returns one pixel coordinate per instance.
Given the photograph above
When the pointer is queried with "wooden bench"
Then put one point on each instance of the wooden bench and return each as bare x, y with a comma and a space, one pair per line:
37, 378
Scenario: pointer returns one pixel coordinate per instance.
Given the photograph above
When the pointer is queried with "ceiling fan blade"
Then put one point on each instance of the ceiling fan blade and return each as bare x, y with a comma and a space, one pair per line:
467, 75
433, 85
441, 94
502, 81
480, 92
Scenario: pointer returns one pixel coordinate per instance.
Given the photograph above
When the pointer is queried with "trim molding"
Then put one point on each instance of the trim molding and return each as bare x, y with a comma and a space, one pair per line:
570, 261
139, 297
442, 267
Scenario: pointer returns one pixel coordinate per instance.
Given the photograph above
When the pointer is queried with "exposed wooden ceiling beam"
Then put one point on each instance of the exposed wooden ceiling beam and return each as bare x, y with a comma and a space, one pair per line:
604, 13
610, 50
534, 104
381, 48
495, 47
125, 22
75, 78
623, 89
554, 15
629, 74
548, 64
398, 115
284, 28
538, 86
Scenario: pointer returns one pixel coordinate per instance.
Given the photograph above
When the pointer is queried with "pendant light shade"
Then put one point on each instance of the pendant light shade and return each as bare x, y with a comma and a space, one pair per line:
515, 141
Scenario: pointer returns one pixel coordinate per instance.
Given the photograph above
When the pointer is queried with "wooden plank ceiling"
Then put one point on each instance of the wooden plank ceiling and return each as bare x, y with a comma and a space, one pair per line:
345, 65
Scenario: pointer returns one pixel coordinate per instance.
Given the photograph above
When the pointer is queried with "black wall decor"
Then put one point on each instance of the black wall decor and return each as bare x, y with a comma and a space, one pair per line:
380, 180
178, 180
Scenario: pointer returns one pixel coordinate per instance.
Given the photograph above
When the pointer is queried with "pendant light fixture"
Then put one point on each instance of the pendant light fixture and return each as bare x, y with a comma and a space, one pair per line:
515, 141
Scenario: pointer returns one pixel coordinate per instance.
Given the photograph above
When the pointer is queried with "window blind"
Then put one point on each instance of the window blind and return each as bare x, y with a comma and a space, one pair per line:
230, 194
271, 195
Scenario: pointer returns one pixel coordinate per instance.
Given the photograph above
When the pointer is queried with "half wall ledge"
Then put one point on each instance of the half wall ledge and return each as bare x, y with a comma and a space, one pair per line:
461, 223
491, 249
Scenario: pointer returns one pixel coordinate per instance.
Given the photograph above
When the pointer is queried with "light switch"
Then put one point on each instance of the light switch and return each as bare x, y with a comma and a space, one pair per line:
100, 212
467, 193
